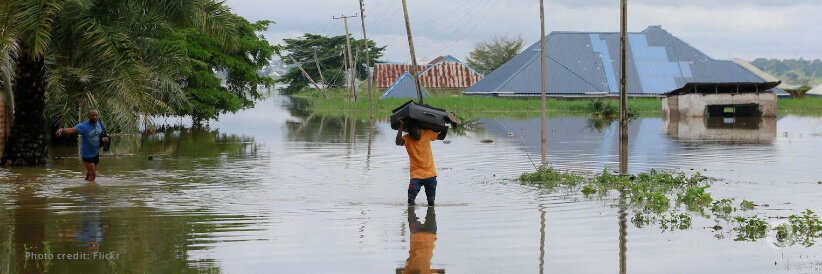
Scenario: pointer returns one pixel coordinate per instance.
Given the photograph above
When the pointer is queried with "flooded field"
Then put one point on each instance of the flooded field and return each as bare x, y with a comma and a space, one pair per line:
276, 189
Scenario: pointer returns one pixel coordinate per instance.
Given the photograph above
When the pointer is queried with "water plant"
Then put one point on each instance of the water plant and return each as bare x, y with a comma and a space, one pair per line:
695, 197
649, 196
550, 177
588, 189
747, 205
804, 229
722, 209
750, 229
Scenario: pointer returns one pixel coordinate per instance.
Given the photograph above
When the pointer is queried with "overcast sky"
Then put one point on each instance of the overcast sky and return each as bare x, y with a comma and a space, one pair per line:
723, 29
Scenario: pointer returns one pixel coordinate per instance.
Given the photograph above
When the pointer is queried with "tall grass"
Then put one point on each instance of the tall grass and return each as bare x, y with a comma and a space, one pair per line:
338, 104
800, 105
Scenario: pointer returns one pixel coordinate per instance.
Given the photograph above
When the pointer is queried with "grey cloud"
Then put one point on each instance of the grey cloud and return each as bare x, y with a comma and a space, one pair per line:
721, 28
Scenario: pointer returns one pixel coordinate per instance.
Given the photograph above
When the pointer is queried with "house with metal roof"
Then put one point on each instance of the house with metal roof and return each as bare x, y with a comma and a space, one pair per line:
444, 72
586, 64
404, 87
724, 99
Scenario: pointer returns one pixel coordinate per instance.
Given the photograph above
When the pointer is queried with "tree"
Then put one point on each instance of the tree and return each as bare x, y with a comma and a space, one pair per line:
75, 54
792, 71
207, 95
330, 53
488, 56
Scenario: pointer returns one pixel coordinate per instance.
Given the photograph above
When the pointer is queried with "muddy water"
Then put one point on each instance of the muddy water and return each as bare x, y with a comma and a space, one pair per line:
275, 189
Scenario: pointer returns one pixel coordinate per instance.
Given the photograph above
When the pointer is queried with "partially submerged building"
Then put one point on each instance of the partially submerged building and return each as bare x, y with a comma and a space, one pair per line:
721, 100
444, 72
733, 130
587, 64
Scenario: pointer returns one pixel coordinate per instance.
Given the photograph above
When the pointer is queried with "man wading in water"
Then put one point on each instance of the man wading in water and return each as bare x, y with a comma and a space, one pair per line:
423, 172
91, 135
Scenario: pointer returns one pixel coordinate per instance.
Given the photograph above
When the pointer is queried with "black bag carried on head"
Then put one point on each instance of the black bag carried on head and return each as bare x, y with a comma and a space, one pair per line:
429, 117
104, 145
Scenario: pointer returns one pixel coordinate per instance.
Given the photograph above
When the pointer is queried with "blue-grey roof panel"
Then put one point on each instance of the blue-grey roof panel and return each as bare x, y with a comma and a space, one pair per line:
584, 62
404, 87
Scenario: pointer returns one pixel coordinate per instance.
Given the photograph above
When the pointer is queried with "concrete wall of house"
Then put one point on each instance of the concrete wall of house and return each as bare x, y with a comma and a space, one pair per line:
694, 105
700, 129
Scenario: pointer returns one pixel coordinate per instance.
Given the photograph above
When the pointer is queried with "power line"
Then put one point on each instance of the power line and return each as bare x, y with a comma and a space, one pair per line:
466, 33
445, 16
455, 23
385, 11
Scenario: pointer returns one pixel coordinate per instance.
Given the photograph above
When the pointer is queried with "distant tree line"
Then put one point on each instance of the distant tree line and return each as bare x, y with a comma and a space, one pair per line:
793, 71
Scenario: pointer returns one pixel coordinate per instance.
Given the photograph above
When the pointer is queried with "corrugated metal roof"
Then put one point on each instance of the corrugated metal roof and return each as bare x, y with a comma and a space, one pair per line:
386, 74
582, 63
443, 72
449, 72
726, 87
404, 87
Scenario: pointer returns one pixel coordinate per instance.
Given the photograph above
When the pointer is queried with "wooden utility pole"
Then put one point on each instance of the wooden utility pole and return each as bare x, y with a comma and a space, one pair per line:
322, 78
367, 60
543, 71
623, 89
356, 60
414, 74
353, 90
308, 76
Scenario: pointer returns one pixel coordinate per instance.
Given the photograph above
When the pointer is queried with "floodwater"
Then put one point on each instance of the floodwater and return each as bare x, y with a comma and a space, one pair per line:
276, 189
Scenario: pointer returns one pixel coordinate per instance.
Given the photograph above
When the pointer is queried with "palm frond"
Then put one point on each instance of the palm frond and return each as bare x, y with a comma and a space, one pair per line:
36, 23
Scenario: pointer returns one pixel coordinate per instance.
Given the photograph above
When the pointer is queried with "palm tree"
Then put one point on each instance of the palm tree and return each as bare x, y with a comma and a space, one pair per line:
75, 54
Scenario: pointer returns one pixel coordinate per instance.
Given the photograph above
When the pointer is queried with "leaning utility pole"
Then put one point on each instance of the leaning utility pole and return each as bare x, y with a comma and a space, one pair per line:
623, 89
353, 89
414, 74
300, 66
543, 71
357, 58
322, 78
367, 60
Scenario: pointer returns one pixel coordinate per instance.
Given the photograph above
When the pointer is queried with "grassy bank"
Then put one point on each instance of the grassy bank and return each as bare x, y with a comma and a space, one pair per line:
338, 104
803, 105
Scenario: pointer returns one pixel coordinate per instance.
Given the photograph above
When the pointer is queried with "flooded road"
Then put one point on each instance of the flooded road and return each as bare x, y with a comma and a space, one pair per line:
276, 189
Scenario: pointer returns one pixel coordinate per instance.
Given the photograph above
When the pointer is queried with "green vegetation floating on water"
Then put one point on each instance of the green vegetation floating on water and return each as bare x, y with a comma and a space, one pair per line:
549, 177
650, 196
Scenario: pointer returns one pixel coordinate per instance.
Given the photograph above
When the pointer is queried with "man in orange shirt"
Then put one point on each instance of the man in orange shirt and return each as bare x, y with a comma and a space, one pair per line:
423, 172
